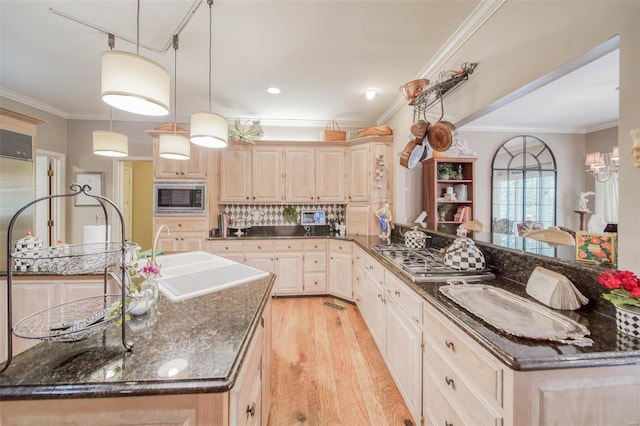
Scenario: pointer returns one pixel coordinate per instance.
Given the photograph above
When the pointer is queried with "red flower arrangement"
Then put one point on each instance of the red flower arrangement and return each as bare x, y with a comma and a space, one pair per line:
624, 285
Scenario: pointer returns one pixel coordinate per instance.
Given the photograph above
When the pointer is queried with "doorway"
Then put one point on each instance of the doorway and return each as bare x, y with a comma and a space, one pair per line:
49, 216
134, 183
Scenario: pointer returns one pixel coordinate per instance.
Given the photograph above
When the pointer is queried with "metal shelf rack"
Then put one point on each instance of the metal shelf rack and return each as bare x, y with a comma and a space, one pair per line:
76, 190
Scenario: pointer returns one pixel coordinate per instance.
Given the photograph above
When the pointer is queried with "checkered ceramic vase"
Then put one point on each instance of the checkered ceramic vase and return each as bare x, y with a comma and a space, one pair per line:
628, 320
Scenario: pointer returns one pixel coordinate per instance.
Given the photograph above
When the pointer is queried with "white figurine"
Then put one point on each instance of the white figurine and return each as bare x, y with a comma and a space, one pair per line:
582, 202
463, 146
384, 218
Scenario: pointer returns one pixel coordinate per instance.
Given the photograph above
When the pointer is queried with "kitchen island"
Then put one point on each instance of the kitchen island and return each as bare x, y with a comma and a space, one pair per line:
203, 360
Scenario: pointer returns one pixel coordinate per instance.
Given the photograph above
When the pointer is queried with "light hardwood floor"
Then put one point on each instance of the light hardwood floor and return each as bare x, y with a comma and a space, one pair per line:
327, 369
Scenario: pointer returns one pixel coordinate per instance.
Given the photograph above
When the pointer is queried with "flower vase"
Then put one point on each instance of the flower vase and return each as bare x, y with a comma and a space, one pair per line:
628, 319
146, 297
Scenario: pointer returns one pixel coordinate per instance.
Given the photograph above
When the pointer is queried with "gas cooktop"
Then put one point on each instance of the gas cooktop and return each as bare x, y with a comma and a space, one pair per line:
427, 264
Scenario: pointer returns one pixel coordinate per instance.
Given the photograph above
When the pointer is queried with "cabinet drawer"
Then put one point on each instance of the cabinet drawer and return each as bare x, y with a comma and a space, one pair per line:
181, 224
289, 245
315, 282
314, 262
438, 410
457, 390
315, 245
479, 369
225, 246
406, 298
374, 269
340, 246
262, 246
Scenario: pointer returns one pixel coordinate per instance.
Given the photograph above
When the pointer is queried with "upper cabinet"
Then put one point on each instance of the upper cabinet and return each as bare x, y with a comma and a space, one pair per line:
314, 174
304, 172
193, 168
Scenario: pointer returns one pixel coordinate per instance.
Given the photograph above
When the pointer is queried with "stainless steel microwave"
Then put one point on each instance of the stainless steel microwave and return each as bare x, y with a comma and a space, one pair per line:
180, 198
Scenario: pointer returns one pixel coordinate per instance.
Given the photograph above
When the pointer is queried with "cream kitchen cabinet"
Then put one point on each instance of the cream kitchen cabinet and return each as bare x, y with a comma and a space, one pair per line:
373, 305
193, 168
358, 257
184, 233
233, 250
359, 172
340, 269
235, 175
315, 267
314, 174
251, 175
259, 254
289, 264
267, 180
31, 295
300, 183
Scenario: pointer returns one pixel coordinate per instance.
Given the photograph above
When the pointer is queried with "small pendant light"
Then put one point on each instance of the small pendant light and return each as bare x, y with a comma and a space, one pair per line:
133, 83
110, 143
174, 146
207, 128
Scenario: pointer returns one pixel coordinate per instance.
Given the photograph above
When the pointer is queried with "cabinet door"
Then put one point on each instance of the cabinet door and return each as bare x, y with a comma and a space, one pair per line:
299, 174
359, 173
263, 261
163, 168
330, 174
404, 355
373, 310
341, 275
192, 241
268, 175
81, 289
289, 272
196, 166
235, 175
169, 243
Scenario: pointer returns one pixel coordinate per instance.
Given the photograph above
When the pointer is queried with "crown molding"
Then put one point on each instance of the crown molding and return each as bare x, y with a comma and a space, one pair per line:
558, 130
471, 24
33, 103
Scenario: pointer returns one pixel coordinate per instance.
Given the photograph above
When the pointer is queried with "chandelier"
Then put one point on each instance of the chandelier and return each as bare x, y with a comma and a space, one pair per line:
601, 166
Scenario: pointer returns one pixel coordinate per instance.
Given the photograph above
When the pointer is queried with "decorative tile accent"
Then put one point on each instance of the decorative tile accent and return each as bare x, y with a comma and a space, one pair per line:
271, 214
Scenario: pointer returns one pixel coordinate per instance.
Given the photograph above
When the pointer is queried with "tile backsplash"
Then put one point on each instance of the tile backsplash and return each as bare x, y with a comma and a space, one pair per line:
271, 214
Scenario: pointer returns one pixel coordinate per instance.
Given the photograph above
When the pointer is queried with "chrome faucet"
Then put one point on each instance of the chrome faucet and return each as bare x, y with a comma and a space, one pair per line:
155, 242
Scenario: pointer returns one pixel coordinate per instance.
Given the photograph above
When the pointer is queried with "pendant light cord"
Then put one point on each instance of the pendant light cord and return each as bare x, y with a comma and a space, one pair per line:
175, 84
138, 30
210, 3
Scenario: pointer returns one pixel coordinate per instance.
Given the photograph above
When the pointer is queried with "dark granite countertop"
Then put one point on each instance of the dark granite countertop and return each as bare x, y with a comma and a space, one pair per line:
610, 347
212, 332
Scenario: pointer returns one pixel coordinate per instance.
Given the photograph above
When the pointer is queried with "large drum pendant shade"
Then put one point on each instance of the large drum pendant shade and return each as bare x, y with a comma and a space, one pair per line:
209, 130
135, 84
174, 147
110, 144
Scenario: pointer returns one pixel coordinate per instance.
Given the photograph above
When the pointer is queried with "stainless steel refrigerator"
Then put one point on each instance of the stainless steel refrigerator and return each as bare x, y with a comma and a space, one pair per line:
16, 188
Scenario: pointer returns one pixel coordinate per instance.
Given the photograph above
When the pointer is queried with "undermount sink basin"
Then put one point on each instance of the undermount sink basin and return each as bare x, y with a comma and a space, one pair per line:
191, 274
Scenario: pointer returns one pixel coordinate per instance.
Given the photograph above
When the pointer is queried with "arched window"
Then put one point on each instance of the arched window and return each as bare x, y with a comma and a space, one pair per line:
523, 192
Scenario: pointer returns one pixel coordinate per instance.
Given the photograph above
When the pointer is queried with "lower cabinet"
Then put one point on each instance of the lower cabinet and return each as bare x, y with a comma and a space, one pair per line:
289, 267
247, 403
340, 269
233, 250
182, 233
31, 295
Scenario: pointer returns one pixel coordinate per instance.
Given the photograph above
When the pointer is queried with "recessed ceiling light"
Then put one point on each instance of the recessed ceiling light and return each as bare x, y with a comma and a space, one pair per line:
371, 93
273, 90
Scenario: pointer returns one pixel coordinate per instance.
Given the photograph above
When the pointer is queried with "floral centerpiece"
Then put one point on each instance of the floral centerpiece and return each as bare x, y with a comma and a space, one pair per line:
143, 286
625, 295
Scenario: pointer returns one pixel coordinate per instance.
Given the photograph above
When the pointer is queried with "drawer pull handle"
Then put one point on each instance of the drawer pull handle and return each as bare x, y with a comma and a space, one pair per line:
449, 344
449, 381
251, 409
447, 423
397, 293
259, 247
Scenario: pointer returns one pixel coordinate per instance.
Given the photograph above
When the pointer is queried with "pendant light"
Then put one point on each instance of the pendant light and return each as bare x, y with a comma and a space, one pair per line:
110, 144
207, 128
174, 146
133, 83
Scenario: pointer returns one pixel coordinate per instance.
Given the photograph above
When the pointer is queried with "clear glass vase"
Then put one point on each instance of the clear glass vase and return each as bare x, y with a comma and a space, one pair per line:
146, 297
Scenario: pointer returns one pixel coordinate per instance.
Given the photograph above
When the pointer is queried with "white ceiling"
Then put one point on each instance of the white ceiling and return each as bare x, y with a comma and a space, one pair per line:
323, 55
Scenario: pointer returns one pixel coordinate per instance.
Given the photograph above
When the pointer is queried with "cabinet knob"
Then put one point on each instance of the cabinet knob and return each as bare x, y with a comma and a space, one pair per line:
449, 381
288, 246
226, 248
316, 262
397, 293
247, 197
449, 344
447, 423
312, 198
251, 409
259, 247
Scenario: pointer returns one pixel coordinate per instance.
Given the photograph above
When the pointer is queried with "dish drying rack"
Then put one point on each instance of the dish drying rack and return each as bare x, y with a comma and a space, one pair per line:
83, 318
434, 93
